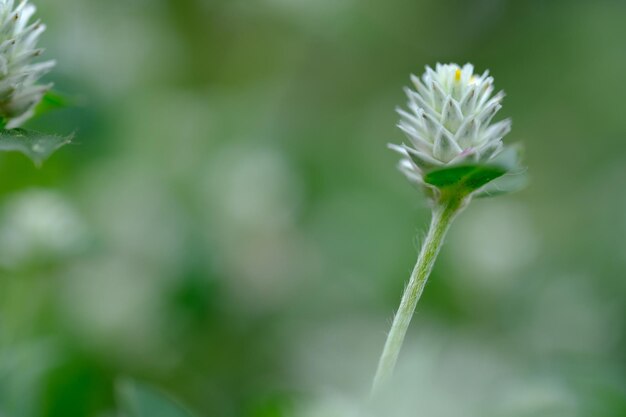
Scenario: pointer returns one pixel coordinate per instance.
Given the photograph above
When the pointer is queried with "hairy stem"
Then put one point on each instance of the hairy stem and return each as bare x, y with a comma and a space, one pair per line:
443, 214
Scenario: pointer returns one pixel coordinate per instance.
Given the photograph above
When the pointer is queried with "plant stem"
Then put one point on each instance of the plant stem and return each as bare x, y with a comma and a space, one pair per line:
443, 214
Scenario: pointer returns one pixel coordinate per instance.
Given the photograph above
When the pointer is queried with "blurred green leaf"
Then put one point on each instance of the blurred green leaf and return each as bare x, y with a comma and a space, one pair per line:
467, 178
506, 184
74, 387
53, 100
137, 400
515, 178
22, 369
35, 145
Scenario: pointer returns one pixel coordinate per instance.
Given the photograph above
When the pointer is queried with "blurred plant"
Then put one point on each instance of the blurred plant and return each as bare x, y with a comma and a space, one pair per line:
137, 400
20, 96
39, 225
455, 153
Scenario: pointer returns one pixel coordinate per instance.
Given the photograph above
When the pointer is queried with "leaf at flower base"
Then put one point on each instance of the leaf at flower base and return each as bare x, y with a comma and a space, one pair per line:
35, 145
137, 400
497, 176
514, 180
465, 178
53, 100
506, 184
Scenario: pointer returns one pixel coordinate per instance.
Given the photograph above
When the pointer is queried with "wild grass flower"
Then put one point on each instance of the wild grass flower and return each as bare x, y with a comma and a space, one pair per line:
455, 153
19, 73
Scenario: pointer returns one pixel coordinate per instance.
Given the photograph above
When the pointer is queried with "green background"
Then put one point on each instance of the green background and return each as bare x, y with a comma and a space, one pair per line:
229, 227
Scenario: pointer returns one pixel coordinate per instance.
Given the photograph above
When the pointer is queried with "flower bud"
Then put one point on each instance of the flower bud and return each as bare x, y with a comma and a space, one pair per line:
449, 120
19, 92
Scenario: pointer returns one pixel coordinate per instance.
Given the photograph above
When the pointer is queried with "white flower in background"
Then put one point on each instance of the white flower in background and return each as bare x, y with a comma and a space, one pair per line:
449, 120
19, 91
39, 224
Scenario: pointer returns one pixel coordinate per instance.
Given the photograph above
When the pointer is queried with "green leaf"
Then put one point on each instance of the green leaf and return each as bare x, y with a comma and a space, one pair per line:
506, 184
137, 400
500, 175
35, 145
465, 178
514, 180
53, 100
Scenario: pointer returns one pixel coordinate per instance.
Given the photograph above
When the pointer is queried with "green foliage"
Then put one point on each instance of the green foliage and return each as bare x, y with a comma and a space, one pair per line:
22, 369
35, 145
137, 400
465, 178
74, 386
508, 183
501, 175
53, 100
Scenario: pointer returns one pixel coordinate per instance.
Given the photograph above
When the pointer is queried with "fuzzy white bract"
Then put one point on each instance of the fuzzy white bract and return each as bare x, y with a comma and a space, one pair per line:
19, 91
449, 120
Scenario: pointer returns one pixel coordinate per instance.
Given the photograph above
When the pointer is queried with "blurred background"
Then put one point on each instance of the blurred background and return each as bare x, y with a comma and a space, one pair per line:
229, 227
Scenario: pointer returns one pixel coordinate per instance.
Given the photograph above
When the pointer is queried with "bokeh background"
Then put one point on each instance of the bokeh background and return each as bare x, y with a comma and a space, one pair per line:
229, 227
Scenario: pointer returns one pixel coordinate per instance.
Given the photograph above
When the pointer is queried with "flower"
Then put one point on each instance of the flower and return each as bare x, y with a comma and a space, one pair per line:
449, 121
39, 225
19, 93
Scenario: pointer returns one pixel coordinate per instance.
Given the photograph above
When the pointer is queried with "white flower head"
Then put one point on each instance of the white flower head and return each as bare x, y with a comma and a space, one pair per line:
19, 91
449, 120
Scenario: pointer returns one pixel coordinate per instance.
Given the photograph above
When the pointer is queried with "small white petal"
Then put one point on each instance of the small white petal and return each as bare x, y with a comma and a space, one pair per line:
497, 131
416, 101
439, 96
466, 135
445, 148
422, 159
453, 116
421, 89
490, 150
467, 100
417, 138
